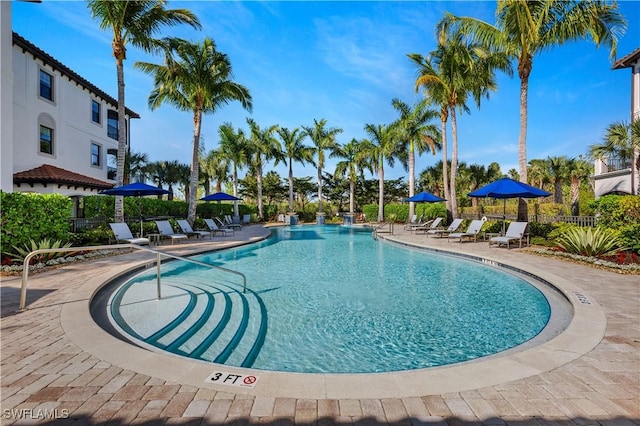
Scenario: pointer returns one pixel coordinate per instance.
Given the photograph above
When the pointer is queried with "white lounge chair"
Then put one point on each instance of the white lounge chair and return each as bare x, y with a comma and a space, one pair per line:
213, 227
166, 231
413, 221
123, 233
471, 233
187, 229
428, 226
515, 232
442, 232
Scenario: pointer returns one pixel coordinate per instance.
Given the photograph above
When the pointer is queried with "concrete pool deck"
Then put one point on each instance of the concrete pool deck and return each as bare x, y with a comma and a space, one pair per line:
54, 358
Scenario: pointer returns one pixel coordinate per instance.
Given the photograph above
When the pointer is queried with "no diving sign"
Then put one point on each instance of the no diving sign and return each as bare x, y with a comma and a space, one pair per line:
232, 379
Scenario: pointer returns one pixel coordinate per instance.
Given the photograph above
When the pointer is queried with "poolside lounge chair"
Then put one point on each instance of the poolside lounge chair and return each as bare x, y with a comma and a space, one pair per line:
228, 223
187, 229
428, 226
165, 229
471, 233
213, 227
442, 232
123, 233
413, 221
515, 232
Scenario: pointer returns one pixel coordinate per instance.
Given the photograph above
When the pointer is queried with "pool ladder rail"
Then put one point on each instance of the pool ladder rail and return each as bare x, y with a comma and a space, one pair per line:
159, 254
380, 228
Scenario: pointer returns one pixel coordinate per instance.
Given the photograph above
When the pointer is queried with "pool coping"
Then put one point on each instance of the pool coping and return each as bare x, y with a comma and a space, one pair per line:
583, 333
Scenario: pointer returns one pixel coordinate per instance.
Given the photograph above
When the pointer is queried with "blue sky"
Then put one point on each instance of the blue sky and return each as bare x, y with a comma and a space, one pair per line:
344, 62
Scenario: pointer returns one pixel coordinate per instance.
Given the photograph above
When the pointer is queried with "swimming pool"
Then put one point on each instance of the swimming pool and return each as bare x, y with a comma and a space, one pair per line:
331, 299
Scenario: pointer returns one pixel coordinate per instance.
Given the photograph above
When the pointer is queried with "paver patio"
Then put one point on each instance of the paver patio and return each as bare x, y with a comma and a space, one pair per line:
46, 374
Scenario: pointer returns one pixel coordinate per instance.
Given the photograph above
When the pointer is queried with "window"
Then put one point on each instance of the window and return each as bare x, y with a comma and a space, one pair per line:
95, 112
46, 85
112, 124
46, 140
96, 154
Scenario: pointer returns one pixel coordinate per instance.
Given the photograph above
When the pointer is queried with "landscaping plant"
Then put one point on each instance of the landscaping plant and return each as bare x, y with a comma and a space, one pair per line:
589, 241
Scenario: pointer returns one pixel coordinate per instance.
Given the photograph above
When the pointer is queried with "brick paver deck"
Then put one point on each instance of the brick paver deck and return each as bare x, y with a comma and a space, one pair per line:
45, 374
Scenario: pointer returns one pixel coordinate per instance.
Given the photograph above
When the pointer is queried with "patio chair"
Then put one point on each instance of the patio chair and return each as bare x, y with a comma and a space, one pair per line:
228, 223
515, 232
123, 233
187, 229
215, 229
428, 226
471, 233
166, 231
442, 232
413, 221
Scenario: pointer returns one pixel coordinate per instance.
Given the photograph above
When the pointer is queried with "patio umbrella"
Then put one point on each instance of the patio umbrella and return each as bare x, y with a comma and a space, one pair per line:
137, 189
220, 196
508, 188
425, 197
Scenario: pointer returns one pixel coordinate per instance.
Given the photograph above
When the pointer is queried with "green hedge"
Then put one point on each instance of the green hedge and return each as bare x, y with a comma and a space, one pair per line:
428, 211
622, 213
25, 217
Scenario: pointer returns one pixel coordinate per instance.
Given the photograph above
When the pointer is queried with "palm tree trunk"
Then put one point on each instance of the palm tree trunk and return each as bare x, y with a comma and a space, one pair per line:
445, 168
454, 162
193, 179
412, 178
352, 195
319, 189
575, 196
122, 141
522, 142
381, 190
557, 191
236, 213
259, 179
290, 184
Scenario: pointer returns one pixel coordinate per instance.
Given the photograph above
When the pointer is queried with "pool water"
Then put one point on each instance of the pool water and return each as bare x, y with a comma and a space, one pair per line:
332, 299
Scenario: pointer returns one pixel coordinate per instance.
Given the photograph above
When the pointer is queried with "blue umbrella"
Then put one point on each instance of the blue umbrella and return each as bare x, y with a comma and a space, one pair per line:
425, 197
508, 188
220, 196
137, 189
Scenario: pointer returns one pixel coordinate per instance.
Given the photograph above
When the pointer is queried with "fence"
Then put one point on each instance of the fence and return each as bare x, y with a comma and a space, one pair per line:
540, 218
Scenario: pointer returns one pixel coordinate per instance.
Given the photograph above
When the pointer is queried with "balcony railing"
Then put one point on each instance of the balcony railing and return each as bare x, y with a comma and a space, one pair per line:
612, 164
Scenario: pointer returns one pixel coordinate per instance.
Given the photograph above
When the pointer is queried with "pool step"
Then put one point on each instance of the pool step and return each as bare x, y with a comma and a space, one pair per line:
217, 322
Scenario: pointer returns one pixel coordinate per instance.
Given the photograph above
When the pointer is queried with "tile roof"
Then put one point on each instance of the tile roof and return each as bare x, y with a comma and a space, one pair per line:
627, 60
47, 59
52, 174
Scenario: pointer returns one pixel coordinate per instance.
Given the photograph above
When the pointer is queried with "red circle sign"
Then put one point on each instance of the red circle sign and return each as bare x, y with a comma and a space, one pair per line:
249, 380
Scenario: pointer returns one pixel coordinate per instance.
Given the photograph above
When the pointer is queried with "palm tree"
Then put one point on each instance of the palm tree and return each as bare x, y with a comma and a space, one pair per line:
526, 28
195, 77
355, 161
557, 171
579, 171
538, 173
456, 69
295, 150
417, 135
263, 147
135, 167
234, 148
175, 176
135, 23
323, 139
383, 144
158, 173
217, 169
621, 142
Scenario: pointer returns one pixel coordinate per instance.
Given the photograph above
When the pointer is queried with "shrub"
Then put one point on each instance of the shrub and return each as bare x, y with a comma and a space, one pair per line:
25, 217
537, 229
590, 241
20, 253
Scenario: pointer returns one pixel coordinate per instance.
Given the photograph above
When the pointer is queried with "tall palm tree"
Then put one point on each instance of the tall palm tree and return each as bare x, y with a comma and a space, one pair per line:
457, 69
195, 77
133, 23
354, 163
622, 142
418, 135
323, 139
383, 144
524, 29
264, 146
234, 148
295, 150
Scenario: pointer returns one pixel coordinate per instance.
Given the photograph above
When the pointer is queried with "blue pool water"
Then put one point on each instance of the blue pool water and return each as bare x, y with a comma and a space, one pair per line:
331, 299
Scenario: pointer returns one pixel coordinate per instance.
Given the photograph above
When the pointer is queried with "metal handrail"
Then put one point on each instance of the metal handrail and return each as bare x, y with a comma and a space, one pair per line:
27, 259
